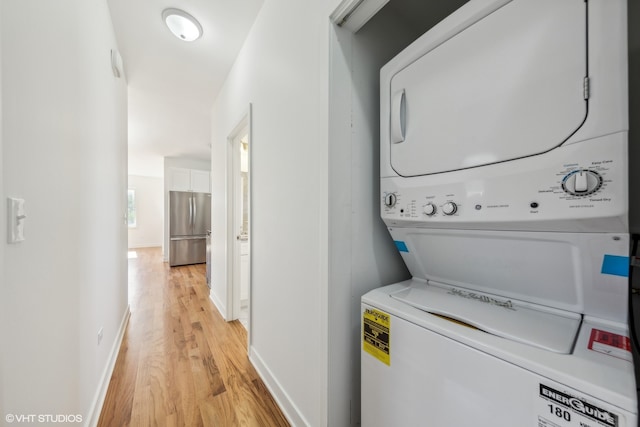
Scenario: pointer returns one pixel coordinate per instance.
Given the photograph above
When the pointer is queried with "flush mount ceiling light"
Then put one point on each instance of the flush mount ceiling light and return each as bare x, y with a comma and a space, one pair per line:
182, 25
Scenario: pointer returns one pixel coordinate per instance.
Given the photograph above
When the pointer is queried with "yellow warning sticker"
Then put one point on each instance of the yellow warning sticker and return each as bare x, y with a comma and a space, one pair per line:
376, 331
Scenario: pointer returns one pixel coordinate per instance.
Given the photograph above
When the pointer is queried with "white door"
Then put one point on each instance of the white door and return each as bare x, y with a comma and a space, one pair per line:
241, 283
239, 244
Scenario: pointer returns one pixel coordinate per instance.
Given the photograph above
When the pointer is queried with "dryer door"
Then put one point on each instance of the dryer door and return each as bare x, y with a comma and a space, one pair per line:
508, 86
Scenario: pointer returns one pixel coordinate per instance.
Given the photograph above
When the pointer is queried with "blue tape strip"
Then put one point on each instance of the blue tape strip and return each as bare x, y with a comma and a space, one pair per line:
402, 246
615, 265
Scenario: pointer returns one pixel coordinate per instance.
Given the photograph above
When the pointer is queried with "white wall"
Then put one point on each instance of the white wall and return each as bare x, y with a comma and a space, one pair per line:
149, 211
64, 151
176, 162
282, 71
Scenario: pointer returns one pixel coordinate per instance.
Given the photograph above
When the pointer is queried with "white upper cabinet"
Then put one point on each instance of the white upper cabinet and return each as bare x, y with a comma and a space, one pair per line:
200, 181
181, 179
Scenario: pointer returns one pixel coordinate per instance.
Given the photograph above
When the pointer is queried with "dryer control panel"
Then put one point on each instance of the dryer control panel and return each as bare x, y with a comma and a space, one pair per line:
564, 190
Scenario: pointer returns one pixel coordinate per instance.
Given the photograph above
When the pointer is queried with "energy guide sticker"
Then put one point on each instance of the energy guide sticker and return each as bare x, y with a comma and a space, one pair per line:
376, 327
563, 408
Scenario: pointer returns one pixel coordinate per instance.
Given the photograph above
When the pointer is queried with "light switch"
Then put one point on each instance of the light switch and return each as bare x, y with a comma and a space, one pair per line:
15, 220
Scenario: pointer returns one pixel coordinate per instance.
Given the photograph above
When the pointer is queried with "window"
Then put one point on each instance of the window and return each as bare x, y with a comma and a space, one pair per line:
131, 208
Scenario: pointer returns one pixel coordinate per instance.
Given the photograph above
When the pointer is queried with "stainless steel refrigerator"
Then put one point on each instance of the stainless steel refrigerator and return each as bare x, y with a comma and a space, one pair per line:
189, 221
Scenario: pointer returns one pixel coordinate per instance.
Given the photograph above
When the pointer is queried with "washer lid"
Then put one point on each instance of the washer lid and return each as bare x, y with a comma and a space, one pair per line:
543, 327
508, 86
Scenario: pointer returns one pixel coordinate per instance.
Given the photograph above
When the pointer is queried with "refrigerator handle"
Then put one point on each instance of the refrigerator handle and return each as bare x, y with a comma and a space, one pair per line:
195, 213
191, 211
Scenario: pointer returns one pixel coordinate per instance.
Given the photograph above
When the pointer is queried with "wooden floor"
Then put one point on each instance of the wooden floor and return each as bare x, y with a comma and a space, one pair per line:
180, 363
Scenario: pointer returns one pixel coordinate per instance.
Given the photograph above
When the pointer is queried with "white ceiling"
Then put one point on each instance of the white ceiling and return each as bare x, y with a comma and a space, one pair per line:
172, 84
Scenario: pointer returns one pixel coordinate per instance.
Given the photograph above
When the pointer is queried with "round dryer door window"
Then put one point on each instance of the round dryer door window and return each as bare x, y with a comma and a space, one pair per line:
507, 86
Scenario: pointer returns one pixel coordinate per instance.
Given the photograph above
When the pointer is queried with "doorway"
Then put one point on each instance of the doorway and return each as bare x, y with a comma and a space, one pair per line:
239, 214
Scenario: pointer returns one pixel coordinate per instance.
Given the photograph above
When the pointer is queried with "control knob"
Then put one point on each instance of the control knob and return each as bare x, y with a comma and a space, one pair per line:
449, 208
582, 182
429, 209
390, 200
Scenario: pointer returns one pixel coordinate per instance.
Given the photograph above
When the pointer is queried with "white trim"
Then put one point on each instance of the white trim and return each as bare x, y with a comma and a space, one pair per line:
343, 9
216, 301
289, 409
250, 190
103, 386
353, 14
233, 249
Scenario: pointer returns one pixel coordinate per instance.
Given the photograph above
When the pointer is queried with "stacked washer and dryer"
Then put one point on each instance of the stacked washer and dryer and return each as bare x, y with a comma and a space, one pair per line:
504, 186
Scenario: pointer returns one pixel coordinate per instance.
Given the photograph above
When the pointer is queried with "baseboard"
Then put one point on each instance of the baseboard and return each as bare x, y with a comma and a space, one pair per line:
221, 307
103, 386
283, 400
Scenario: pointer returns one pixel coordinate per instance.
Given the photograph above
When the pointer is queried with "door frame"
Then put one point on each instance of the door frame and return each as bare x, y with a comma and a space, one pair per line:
232, 222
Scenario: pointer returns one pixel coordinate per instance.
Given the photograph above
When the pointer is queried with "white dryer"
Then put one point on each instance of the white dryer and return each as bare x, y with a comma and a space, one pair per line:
504, 187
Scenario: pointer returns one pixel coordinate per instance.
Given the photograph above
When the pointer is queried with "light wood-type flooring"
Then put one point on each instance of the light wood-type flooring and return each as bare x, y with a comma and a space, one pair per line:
180, 363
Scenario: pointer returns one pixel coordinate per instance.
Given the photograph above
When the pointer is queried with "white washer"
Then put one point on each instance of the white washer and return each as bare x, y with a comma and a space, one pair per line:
504, 187
444, 374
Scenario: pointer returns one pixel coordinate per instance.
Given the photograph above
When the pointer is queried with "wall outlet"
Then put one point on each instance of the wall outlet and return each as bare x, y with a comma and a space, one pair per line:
100, 333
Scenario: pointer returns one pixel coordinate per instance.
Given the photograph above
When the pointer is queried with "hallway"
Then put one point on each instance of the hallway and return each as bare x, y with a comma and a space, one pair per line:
180, 363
